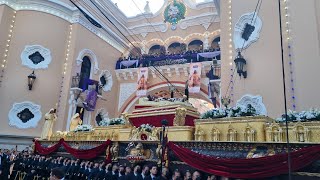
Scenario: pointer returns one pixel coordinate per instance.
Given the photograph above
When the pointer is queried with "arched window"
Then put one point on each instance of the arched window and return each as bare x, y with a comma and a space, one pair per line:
195, 45
85, 72
175, 48
215, 44
155, 50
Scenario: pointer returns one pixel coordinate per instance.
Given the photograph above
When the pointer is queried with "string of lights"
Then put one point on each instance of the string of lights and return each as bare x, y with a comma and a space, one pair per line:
7, 47
289, 52
65, 65
231, 53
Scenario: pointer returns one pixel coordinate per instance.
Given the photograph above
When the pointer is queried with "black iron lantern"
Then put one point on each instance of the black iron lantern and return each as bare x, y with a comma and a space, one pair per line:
31, 78
75, 80
241, 65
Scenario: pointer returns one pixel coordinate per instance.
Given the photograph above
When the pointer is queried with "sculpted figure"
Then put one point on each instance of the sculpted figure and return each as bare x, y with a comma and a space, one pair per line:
49, 118
75, 121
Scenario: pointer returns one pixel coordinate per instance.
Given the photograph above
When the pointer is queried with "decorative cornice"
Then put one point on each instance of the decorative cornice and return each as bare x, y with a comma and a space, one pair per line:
66, 12
147, 28
203, 19
198, 6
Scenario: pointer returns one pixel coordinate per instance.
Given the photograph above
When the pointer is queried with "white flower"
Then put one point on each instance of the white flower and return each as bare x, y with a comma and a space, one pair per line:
84, 127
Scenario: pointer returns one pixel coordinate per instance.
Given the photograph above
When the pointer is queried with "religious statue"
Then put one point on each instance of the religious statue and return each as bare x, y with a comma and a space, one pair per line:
147, 8
49, 118
154, 134
194, 80
180, 115
199, 134
232, 135
249, 134
133, 133
75, 121
302, 133
215, 134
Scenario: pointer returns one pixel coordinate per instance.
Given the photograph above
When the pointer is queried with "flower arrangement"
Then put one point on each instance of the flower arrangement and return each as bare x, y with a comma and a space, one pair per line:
146, 127
104, 122
112, 121
310, 115
230, 112
84, 127
117, 121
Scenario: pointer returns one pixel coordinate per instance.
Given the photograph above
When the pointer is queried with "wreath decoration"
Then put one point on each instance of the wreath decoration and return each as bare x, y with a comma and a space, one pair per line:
174, 12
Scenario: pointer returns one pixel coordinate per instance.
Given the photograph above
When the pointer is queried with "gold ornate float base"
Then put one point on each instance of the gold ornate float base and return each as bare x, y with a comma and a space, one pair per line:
98, 134
247, 129
298, 132
175, 133
180, 133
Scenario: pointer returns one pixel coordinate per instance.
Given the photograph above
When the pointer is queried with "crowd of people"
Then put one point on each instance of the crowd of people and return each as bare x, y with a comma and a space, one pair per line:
28, 166
145, 59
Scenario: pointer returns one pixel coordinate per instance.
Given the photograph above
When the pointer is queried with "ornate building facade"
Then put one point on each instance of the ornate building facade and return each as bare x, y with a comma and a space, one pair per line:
59, 39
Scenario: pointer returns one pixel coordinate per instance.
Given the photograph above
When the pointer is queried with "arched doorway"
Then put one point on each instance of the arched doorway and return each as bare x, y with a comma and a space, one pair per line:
195, 45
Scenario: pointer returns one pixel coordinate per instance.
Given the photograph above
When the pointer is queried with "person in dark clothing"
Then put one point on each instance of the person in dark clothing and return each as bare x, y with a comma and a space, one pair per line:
153, 173
136, 175
57, 174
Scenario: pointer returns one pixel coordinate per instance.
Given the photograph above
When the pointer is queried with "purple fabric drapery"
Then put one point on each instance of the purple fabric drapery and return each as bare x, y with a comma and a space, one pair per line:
208, 54
91, 100
129, 63
89, 82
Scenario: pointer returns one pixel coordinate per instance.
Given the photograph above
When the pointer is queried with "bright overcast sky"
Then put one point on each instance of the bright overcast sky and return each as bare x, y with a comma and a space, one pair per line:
134, 7
131, 7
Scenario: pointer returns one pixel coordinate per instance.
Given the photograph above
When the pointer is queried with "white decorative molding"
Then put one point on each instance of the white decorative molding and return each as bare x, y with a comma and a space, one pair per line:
147, 28
197, 6
92, 56
144, 34
202, 19
126, 90
29, 50
104, 113
109, 82
255, 101
68, 13
206, 25
17, 108
239, 42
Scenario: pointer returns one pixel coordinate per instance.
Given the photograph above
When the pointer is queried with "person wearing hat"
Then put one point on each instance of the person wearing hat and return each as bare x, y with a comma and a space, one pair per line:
75, 121
49, 118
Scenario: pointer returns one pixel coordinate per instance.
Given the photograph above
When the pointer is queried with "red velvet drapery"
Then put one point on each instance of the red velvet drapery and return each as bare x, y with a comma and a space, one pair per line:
247, 168
81, 154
